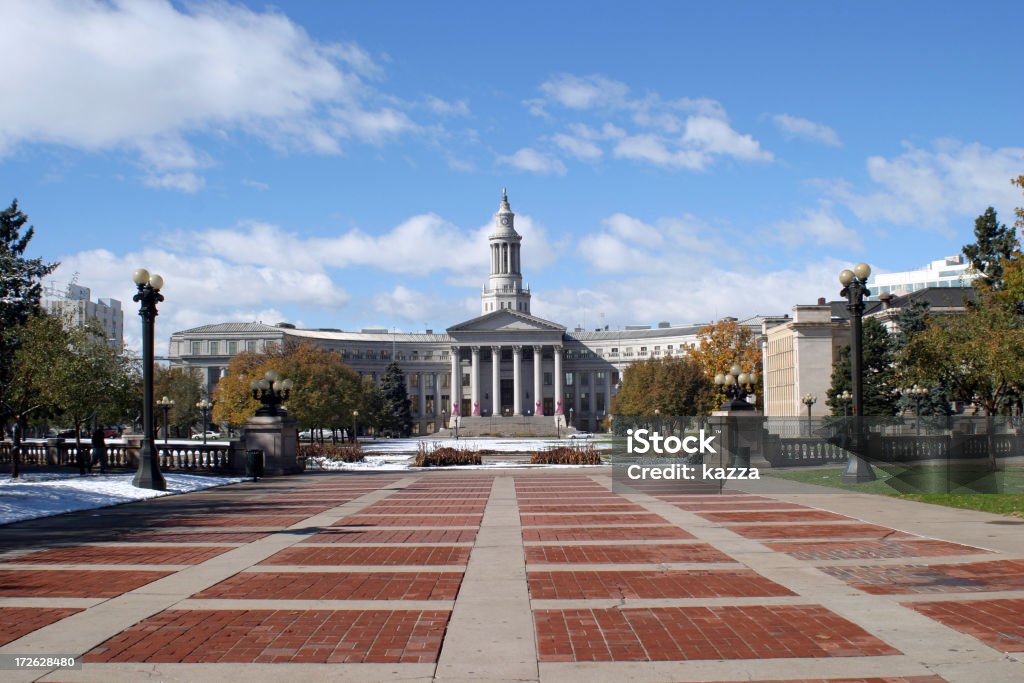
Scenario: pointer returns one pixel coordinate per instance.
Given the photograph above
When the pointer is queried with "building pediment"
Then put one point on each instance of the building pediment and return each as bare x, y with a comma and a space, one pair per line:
506, 321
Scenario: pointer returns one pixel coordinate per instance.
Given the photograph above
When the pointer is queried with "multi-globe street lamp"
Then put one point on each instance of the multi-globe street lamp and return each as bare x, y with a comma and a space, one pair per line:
166, 404
737, 385
845, 399
855, 289
809, 400
204, 408
271, 391
917, 393
355, 422
148, 474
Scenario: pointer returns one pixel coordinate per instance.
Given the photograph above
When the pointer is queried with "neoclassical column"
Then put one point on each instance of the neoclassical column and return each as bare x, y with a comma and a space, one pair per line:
538, 401
495, 380
559, 408
423, 394
474, 380
517, 386
576, 386
456, 382
592, 386
437, 393
608, 391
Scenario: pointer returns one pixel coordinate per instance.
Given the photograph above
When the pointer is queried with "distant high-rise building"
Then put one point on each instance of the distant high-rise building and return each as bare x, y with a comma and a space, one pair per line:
72, 303
952, 271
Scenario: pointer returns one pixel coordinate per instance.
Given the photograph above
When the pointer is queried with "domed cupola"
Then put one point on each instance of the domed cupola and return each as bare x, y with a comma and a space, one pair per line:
504, 289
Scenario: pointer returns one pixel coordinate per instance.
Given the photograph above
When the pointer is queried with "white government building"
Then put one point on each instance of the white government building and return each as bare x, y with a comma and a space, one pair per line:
511, 367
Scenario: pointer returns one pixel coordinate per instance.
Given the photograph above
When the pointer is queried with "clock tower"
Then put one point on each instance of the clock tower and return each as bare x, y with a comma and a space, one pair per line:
504, 289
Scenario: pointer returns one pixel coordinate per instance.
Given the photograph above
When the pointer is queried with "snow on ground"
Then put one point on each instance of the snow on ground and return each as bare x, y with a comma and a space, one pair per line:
378, 463
40, 494
478, 444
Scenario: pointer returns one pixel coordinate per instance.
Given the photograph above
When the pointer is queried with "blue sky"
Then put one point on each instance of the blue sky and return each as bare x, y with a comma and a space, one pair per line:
337, 164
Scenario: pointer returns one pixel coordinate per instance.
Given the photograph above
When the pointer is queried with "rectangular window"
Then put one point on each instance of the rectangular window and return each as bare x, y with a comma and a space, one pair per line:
414, 380
232, 348
195, 348
465, 379
585, 379
250, 346
547, 379
600, 403
568, 379
214, 348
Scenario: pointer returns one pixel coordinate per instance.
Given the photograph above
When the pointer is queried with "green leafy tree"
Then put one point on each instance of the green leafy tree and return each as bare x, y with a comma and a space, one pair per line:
880, 381
672, 386
326, 389
185, 389
20, 293
994, 243
396, 416
724, 344
913, 319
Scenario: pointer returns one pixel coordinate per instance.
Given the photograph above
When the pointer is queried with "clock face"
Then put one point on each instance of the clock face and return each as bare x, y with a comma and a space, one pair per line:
504, 220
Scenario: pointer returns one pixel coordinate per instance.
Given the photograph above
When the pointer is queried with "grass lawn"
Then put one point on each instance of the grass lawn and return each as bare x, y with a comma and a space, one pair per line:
959, 486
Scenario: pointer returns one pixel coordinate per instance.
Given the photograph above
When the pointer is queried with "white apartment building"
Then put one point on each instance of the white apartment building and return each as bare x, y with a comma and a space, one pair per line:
72, 303
952, 271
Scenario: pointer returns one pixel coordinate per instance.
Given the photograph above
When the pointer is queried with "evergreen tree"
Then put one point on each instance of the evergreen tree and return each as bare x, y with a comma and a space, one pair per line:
396, 417
20, 291
913, 319
994, 243
880, 397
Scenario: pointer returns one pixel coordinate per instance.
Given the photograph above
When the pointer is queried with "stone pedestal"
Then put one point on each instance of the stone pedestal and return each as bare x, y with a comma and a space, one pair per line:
742, 434
278, 438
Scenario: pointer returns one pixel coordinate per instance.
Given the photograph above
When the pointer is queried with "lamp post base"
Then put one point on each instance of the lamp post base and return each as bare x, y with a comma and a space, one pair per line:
858, 470
148, 476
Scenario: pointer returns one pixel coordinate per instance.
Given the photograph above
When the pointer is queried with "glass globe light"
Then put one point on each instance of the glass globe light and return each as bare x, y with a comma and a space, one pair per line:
140, 276
846, 277
862, 271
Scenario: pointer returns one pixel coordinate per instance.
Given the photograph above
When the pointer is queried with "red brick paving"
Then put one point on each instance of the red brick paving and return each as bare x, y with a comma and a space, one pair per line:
710, 507
580, 507
606, 533
393, 536
997, 623
970, 577
16, 622
870, 550
153, 536
686, 633
439, 521
623, 554
85, 554
317, 636
53, 583
579, 585
855, 530
715, 498
357, 555
234, 520
426, 509
774, 516
595, 519
337, 586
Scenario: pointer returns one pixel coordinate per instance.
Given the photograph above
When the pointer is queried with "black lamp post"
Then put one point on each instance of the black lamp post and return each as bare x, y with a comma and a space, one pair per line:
737, 386
166, 404
809, 400
271, 392
917, 393
148, 474
204, 408
444, 418
855, 289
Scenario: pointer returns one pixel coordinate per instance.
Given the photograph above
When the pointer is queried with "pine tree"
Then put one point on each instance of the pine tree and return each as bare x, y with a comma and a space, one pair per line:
396, 418
913, 320
879, 377
20, 291
994, 243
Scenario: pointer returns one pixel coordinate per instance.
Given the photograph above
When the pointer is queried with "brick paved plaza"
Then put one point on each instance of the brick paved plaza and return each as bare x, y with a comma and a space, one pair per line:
514, 575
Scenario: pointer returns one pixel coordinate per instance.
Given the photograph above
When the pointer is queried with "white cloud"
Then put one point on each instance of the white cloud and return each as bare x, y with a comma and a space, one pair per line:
150, 77
445, 108
529, 159
256, 184
927, 188
627, 244
681, 133
817, 225
805, 129
585, 92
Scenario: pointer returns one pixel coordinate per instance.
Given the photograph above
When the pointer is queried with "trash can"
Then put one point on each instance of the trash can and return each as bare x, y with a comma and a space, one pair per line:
254, 464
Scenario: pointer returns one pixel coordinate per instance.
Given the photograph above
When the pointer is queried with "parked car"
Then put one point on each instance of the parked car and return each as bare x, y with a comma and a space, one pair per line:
581, 435
309, 434
210, 436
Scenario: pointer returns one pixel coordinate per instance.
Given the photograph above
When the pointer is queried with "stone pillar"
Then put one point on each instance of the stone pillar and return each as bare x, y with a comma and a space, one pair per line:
538, 401
592, 384
517, 386
422, 379
437, 393
576, 375
559, 408
495, 380
608, 391
474, 380
456, 384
